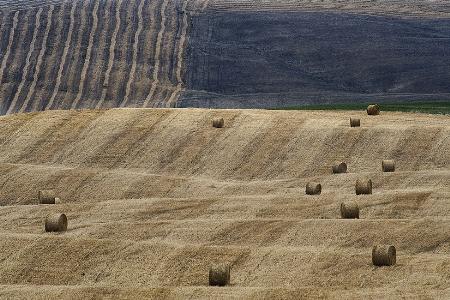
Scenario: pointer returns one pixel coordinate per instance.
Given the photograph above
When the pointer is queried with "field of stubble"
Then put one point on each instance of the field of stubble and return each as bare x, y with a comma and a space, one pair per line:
154, 196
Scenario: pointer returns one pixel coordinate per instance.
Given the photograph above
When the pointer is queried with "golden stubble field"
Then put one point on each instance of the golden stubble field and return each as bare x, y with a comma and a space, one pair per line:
154, 196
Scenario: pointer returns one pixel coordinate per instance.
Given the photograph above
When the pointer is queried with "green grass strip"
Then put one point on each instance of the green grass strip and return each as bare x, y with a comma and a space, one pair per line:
431, 107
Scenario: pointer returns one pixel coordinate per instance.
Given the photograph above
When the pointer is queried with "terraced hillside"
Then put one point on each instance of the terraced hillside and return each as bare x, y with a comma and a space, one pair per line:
57, 54
154, 196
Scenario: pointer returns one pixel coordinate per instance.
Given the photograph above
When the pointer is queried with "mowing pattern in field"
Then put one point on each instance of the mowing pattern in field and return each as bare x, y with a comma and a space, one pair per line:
154, 196
57, 54
92, 53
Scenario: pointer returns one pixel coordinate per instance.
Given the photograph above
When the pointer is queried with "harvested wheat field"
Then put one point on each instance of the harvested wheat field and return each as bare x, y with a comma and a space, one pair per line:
154, 197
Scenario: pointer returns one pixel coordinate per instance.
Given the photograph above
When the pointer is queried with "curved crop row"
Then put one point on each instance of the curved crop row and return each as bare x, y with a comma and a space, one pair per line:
90, 60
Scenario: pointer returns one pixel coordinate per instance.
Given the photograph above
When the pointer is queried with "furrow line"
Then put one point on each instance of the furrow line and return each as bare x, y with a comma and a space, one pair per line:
157, 54
174, 96
135, 52
148, 40
27, 62
39, 59
88, 55
8, 49
99, 61
64, 57
42, 95
73, 71
111, 55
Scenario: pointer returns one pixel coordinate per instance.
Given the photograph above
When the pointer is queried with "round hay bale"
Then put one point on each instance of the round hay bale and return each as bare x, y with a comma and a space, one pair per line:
339, 168
56, 223
349, 210
354, 122
384, 255
219, 275
218, 122
373, 110
313, 188
46, 197
363, 187
388, 165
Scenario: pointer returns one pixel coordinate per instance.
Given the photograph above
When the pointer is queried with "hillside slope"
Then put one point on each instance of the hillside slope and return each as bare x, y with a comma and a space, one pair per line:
57, 54
91, 53
154, 196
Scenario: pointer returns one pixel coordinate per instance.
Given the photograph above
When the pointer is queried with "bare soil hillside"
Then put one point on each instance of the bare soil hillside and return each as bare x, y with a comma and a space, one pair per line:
154, 196
71, 54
